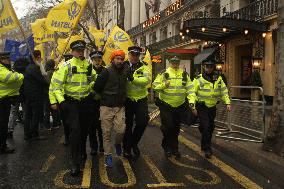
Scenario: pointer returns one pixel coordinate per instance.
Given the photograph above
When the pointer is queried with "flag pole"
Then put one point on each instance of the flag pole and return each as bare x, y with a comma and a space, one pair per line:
65, 48
22, 31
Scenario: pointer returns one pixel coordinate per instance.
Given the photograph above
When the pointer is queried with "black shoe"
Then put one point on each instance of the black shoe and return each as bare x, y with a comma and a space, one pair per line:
136, 151
168, 153
7, 150
66, 141
177, 154
94, 152
127, 154
208, 153
75, 171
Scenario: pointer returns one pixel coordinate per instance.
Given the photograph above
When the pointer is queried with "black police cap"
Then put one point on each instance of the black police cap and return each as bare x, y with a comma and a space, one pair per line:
5, 54
135, 50
209, 62
98, 54
78, 45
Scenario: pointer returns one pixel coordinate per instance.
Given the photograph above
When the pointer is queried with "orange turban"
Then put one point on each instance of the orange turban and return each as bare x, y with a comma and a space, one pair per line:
117, 53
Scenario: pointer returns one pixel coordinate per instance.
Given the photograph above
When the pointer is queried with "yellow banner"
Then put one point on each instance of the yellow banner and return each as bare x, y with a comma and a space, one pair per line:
40, 47
62, 43
40, 33
99, 36
65, 16
8, 18
118, 39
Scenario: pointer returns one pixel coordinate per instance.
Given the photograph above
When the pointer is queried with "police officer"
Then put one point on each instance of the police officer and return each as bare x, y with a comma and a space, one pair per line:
173, 86
10, 83
208, 88
97, 64
54, 101
72, 88
136, 103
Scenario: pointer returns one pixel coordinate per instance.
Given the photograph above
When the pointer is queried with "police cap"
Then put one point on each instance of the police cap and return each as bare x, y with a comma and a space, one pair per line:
5, 55
78, 45
175, 59
95, 54
135, 50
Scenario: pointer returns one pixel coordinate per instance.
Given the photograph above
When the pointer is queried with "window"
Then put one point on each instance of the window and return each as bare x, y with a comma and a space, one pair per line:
163, 33
143, 41
153, 38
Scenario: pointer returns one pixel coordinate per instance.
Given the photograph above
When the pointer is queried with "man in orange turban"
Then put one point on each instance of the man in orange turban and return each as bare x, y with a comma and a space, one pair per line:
111, 85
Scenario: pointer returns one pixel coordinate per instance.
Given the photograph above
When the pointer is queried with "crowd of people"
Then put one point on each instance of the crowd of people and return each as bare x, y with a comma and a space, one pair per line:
91, 99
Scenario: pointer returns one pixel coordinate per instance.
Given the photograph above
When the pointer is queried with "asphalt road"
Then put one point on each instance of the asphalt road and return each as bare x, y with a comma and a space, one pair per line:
44, 164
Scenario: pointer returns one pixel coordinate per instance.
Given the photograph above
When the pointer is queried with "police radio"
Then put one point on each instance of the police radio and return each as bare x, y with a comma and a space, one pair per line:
74, 69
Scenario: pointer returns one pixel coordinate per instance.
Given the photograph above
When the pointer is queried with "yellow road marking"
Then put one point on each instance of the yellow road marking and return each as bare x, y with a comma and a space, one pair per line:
59, 180
215, 179
234, 174
157, 173
47, 164
131, 179
87, 173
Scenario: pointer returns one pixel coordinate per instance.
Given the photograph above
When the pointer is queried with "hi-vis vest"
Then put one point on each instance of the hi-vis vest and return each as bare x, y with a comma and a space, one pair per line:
208, 92
137, 89
10, 82
174, 95
72, 80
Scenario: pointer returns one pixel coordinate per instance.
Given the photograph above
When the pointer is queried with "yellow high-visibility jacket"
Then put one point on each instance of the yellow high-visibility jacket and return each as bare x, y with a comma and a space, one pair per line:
72, 79
10, 82
178, 90
137, 89
206, 92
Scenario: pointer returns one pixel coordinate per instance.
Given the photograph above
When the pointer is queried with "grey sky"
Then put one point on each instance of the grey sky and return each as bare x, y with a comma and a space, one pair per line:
21, 7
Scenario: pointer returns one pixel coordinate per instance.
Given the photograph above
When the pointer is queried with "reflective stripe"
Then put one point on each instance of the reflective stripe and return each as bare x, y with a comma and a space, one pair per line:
76, 93
189, 87
200, 82
190, 92
77, 83
173, 94
156, 83
223, 89
224, 93
81, 73
176, 87
205, 97
16, 76
4, 88
146, 74
57, 81
205, 90
7, 77
174, 78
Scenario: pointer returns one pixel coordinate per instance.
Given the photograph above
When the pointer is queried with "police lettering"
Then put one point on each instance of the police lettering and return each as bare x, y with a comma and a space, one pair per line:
6, 22
58, 24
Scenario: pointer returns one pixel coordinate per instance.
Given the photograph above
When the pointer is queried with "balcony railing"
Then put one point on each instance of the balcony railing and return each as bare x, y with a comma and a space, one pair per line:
155, 47
255, 11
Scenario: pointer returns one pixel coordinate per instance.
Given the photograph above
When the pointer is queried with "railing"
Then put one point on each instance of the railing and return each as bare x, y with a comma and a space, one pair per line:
255, 11
155, 47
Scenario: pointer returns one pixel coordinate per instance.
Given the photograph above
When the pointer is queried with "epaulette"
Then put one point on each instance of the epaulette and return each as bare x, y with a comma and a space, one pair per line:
66, 63
197, 77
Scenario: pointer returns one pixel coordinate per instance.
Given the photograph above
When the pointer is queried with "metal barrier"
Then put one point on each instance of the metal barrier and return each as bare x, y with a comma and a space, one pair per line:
246, 121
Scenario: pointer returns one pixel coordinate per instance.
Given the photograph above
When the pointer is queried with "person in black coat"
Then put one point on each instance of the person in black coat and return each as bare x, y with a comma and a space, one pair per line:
34, 89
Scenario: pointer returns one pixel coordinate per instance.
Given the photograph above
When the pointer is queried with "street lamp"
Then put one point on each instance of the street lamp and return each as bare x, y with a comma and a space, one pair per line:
256, 62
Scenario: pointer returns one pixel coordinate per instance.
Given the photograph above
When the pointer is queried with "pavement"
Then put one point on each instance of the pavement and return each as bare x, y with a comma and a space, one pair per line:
45, 164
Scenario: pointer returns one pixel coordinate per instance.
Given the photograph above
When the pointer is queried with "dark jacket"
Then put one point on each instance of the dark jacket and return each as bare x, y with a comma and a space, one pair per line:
111, 85
34, 84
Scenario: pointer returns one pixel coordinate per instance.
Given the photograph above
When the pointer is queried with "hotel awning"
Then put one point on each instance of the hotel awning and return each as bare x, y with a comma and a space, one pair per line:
219, 29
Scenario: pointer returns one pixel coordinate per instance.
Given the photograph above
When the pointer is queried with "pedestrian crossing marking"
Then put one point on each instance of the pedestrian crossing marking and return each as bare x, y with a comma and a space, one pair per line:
157, 173
234, 174
47, 164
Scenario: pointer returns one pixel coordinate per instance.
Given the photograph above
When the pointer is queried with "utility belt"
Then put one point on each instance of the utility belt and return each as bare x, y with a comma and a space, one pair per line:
5, 98
163, 104
71, 99
201, 104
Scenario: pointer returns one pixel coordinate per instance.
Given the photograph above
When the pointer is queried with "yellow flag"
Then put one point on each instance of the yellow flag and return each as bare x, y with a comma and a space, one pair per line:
99, 36
65, 16
148, 60
118, 39
63, 42
40, 47
40, 33
8, 18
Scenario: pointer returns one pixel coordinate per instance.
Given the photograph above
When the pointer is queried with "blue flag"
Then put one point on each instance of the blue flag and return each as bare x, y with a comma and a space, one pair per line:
19, 49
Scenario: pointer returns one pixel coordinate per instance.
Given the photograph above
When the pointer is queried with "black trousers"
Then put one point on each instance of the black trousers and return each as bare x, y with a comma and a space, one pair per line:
77, 115
94, 130
206, 124
33, 115
54, 113
137, 110
64, 123
171, 119
5, 106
